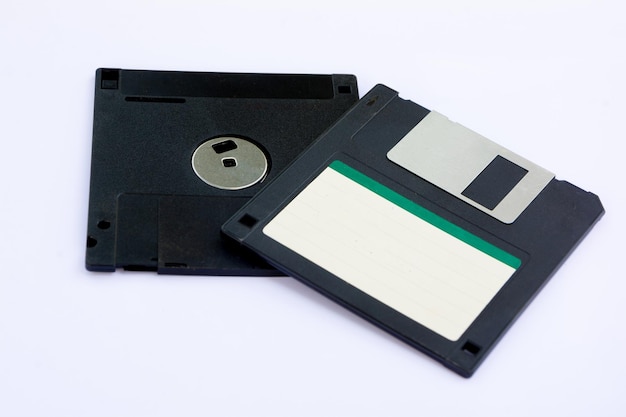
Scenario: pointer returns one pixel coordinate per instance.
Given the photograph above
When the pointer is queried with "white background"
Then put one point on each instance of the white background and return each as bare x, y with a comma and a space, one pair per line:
545, 79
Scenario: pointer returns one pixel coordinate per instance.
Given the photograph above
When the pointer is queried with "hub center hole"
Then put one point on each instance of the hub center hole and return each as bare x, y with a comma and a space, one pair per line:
229, 162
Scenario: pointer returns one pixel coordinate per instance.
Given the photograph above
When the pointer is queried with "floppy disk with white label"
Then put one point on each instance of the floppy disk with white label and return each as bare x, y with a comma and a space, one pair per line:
423, 227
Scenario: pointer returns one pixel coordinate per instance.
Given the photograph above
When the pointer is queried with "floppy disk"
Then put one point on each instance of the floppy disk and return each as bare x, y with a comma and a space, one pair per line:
175, 154
421, 226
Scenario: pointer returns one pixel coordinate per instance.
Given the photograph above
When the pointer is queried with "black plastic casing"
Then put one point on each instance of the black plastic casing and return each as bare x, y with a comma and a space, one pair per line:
148, 210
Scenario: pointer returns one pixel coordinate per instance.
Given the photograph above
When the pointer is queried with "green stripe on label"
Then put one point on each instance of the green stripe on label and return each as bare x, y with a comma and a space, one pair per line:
426, 215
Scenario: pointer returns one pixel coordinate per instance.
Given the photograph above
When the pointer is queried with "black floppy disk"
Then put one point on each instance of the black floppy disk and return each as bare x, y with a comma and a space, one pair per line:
175, 154
421, 226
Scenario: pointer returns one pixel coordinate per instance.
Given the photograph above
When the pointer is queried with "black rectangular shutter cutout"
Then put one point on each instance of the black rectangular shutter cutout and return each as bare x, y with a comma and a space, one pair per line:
494, 182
